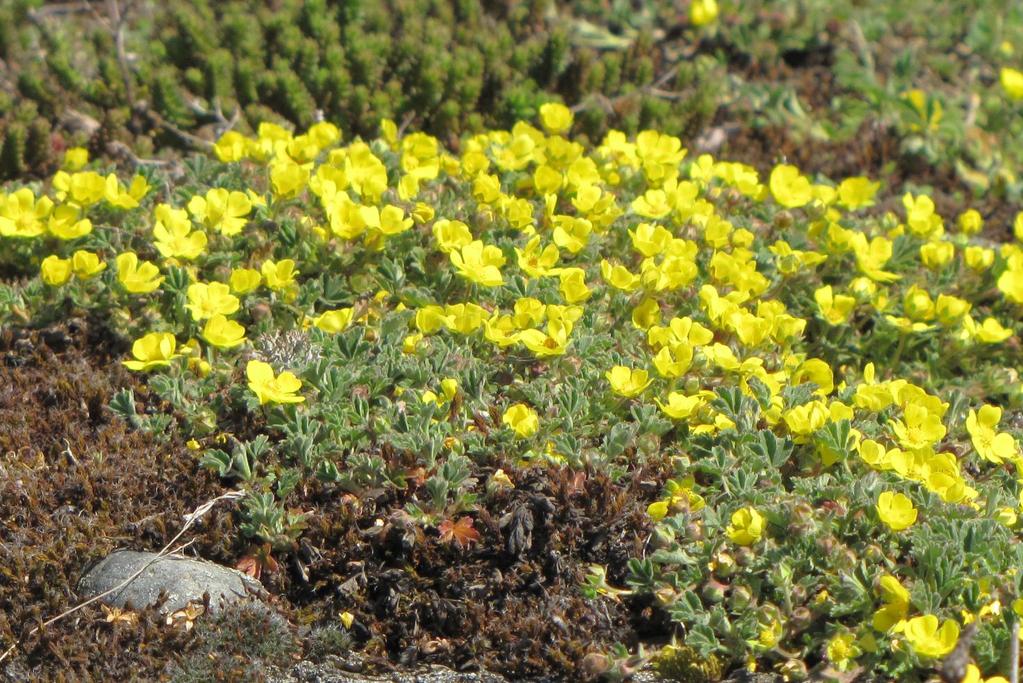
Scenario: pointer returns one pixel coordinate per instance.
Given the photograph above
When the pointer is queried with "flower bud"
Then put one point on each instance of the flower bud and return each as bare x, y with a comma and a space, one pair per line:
801, 619
666, 596
744, 556
713, 591
662, 538
827, 544
793, 670
259, 311
802, 516
783, 220
724, 564
739, 598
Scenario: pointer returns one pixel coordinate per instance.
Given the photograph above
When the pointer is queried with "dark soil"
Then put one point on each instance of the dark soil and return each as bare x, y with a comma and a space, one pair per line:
76, 482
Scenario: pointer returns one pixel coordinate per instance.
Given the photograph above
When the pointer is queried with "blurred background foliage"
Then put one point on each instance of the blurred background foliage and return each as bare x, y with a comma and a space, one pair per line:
895, 90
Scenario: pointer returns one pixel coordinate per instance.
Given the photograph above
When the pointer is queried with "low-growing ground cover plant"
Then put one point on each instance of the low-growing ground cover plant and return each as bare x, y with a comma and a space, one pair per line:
818, 399
919, 89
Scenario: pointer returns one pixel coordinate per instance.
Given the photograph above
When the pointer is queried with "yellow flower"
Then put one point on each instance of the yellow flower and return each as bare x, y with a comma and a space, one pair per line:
522, 419
334, 321
232, 146
75, 158
556, 118
390, 220
747, 526
448, 389
422, 213
789, 187
173, 235
1012, 82
279, 275
154, 350
464, 318
936, 255
55, 270
970, 222
431, 319
834, 308
658, 510
269, 388
857, 193
896, 604
1010, 283
116, 195
288, 179
86, 264
543, 345
208, 300
917, 304
896, 510
973, 676
703, 12
536, 262
680, 406
842, 650
137, 277
950, 309
673, 360
221, 210
652, 204
872, 256
451, 235
366, 173
627, 382
83, 189
618, 276
573, 285
921, 218
927, 640
988, 332
223, 333
919, 428
659, 155
478, 263
529, 312
805, 419
244, 280
650, 239
770, 635
21, 215
571, 233
990, 444
66, 223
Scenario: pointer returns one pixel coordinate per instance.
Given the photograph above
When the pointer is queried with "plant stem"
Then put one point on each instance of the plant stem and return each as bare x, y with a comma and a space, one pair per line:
898, 354
1014, 653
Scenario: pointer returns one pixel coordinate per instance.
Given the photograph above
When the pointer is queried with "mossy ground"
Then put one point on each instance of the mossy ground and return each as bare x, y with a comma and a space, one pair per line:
77, 483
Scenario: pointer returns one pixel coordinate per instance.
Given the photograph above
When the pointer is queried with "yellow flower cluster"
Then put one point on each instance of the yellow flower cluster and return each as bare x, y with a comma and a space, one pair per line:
709, 278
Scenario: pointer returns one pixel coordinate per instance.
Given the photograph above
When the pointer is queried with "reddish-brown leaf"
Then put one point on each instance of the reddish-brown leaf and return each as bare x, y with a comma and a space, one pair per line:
461, 532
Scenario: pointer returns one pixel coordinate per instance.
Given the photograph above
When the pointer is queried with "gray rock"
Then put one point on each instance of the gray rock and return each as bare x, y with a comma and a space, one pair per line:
333, 671
181, 578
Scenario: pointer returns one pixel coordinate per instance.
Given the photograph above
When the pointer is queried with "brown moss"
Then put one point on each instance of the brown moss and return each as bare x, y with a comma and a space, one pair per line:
76, 483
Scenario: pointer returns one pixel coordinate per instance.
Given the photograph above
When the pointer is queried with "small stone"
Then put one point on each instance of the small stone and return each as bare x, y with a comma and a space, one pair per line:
184, 580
